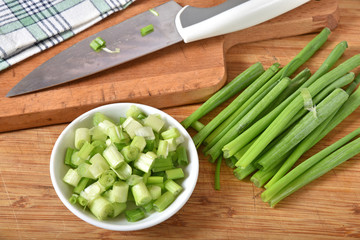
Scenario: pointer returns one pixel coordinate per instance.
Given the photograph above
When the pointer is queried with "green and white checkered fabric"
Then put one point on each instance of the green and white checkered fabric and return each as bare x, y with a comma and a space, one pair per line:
28, 27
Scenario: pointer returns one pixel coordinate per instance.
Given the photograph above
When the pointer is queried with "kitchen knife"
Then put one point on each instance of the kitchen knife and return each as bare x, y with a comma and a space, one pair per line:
172, 24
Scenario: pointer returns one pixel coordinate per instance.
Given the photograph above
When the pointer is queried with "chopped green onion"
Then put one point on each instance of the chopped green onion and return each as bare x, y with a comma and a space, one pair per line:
133, 180
85, 150
130, 153
82, 135
107, 179
113, 156
145, 132
154, 12
72, 177
133, 111
141, 194
182, 156
173, 187
138, 142
98, 165
101, 208
81, 185
74, 198
145, 161
148, 207
99, 117
171, 133
162, 150
82, 201
162, 164
97, 134
99, 44
117, 50
134, 215
118, 208
109, 159
155, 122
147, 30
163, 201
130, 126
119, 192
92, 191
155, 191
84, 170
175, 173
76, 160
155, 179
123, 172
68, 155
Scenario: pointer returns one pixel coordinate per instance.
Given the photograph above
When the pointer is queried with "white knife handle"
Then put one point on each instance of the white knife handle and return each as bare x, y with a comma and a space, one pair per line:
231, 16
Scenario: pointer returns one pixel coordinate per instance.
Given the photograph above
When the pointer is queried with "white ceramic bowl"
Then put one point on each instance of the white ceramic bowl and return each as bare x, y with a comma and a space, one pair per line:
64, 191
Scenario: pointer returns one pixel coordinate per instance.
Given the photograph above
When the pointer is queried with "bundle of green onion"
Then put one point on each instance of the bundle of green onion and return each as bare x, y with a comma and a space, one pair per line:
276, 119
134, 166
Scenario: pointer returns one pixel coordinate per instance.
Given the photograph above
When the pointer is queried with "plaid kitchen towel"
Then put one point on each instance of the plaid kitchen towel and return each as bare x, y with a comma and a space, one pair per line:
28, 27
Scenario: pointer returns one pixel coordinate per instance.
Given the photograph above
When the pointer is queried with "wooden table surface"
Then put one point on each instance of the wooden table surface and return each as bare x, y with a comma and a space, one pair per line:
328, 208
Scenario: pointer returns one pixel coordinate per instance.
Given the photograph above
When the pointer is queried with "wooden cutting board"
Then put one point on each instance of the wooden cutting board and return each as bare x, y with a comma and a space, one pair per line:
180, 74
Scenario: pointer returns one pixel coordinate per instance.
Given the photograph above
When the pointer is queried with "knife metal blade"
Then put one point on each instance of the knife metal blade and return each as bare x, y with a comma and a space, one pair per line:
173, 24
80, 60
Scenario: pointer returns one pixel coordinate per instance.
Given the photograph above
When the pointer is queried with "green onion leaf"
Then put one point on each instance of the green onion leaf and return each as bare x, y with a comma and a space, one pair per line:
308, 103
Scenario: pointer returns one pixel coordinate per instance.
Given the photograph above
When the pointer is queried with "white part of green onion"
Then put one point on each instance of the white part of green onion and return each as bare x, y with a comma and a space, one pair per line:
98, 165
144, 162
155, 122
146, 132
113, 156
133, 180
97, 134
155, 191
163, 148
141, 194
124, 171
131, 125
139, 142
154, 12
117, 50
179, 140
105, 125
101, 208
172, 144
82, 135
72, 177
92, 191
133, 111
119, 192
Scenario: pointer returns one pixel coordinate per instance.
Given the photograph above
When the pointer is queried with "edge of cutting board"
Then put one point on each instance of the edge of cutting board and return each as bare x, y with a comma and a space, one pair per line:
178, 75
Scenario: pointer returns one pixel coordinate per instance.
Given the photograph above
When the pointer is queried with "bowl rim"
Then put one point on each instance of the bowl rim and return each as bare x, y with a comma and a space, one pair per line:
163, 216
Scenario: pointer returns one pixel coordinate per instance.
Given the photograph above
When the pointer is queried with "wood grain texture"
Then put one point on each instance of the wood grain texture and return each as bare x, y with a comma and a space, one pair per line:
180, 74
328, 208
